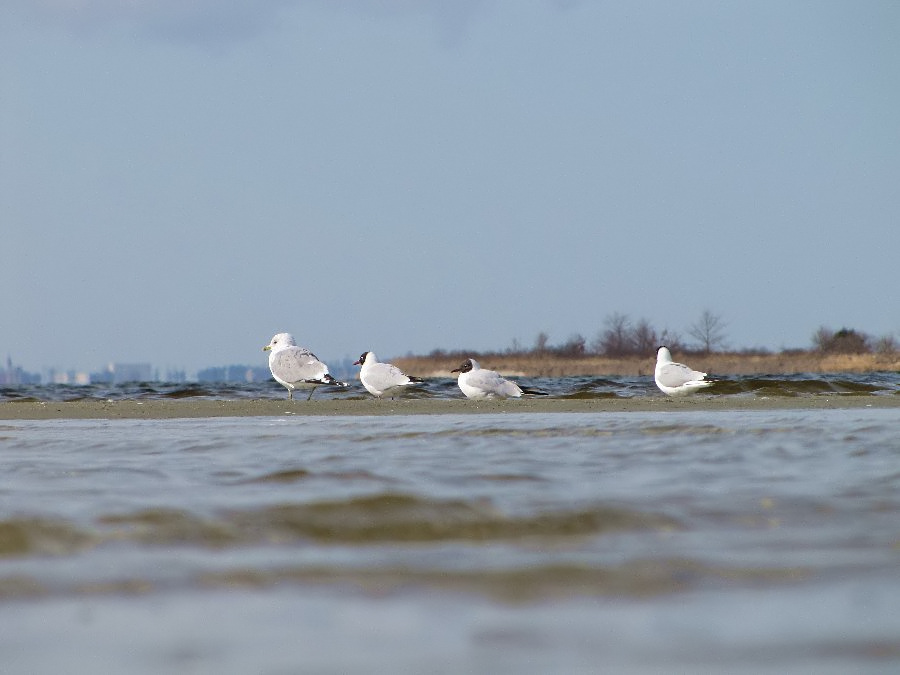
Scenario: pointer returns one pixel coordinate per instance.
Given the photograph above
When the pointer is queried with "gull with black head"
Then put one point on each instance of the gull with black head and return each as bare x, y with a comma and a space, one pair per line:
479, 383
382, 378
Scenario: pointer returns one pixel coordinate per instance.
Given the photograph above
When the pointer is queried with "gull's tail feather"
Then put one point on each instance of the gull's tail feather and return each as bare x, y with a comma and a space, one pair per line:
330, 380
699, 384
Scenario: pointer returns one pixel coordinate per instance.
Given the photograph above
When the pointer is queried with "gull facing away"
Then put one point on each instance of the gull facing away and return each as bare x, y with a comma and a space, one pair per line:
297, 367
382, 378
677, 379
479, 383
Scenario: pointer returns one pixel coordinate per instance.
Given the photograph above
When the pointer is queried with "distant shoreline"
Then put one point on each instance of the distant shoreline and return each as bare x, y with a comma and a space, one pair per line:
158, 409
549, 365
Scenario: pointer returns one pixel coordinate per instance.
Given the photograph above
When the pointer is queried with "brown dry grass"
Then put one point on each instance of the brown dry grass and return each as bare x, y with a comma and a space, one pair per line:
534, 365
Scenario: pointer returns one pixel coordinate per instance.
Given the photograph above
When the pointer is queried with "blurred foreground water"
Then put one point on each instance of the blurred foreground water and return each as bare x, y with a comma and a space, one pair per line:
720, 542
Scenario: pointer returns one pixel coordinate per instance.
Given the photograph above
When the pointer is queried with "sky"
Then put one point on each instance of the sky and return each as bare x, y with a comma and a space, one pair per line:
181, 179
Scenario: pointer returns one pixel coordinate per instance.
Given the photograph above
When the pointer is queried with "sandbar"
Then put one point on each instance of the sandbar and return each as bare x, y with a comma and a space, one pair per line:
201, 407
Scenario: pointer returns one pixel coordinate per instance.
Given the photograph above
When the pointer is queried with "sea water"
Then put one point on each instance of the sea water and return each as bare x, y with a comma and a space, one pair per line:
719, 542
883, 383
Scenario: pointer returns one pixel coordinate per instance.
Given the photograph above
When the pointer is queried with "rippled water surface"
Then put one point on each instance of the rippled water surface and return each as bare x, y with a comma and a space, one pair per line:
802, 384
744, 541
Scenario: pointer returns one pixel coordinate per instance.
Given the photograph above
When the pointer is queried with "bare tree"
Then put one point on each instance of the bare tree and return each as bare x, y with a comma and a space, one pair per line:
709, 331
644, 338
573, 347
540, 343
887, 345
616, 339
822, 338
844, 341
672, 340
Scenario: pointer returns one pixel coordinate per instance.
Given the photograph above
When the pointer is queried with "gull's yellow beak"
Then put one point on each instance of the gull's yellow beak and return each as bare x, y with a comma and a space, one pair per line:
267, 348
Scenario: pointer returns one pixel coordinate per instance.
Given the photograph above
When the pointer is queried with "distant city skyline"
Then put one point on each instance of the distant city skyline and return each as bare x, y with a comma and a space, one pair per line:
342, 367
115, 373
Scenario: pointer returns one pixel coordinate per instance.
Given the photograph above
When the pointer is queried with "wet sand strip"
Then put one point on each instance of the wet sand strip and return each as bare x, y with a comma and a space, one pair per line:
193, 408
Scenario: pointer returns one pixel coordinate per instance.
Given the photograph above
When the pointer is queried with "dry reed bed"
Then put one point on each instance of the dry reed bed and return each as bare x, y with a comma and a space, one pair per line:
535, 365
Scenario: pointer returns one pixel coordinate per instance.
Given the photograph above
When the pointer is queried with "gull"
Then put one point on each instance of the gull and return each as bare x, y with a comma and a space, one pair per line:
382, 378
479, 383
676, 379
296, 367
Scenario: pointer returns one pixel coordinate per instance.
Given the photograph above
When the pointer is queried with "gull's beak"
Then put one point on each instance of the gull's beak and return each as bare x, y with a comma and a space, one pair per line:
357, 363
267, 348
455, 370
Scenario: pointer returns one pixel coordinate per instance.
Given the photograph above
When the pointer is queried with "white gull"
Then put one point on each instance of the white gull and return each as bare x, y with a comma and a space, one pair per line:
296, 367
676, 379
382, 378
479, 383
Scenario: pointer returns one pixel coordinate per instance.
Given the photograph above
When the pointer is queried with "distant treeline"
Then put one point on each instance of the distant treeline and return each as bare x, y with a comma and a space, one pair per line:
850, 341
622, 338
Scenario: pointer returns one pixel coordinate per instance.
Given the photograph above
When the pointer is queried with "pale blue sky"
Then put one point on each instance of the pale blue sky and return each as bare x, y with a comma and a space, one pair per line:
180, 180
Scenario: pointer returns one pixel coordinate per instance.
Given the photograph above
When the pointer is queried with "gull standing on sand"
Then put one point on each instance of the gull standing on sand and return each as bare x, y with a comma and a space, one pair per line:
382, 378
676, 379
479, 383
296, 367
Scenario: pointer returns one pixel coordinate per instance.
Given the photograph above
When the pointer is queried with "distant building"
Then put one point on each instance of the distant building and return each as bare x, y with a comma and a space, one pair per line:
118, 373
68, 377
232, 374
176, 375
132, 372
15, 375
104, 376
54, 376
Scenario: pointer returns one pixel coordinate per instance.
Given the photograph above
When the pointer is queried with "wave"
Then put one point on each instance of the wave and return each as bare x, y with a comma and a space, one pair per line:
375, 519
384, 519
636, 578
802, 384
41, 536
380, 518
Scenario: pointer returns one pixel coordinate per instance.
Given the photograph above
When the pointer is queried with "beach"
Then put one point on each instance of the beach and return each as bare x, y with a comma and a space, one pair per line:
200, 408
